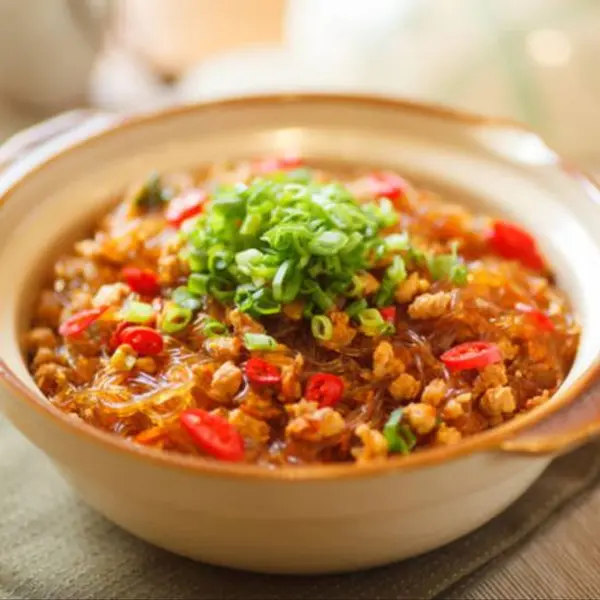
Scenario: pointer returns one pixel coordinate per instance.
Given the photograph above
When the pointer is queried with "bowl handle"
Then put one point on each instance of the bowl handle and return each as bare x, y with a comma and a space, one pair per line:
22, 143
566, 428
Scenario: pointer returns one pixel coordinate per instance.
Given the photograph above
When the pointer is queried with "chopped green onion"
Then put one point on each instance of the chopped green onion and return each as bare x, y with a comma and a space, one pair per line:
321, 327
286, 283
397, 241
259, 341
328, 243
373, 324
219, 259
394, 274
211, 327
356, 287
448, 266
198, 284
183, 297
356, 307
137, 312
175, 318
399, 437
283, 237
251, 225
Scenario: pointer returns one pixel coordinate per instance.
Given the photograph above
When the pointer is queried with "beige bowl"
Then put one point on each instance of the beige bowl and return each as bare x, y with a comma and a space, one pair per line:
310, 519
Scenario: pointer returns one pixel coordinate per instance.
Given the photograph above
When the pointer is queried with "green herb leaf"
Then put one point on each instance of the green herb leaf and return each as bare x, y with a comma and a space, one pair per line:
259, 341
321, 327
399, 437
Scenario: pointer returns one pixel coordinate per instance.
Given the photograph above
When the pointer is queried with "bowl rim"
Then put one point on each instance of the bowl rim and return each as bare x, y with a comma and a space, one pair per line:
485, 441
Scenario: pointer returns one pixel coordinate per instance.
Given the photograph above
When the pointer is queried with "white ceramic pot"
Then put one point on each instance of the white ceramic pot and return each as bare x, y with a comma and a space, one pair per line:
311, 519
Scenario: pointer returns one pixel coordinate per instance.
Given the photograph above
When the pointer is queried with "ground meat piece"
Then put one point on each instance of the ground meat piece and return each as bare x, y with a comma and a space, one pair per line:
446, 435
261, 407
169, 269
49, 308
368, 283
111, 294
324, 423
44, 355
430, 306
76, 268
250, 427
243, 323
223, 347
80, 300
491, 376
404, 387
434, 392
343, 333
508, 350
294, 310
453, 409
50, 377
385, 363
40, 337
537, 400
374, 445
410, 287
302, 408
226, 382
291, 389
421, 417
497, 401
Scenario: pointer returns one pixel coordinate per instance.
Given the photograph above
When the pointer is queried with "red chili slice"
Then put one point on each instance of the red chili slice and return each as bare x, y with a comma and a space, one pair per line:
80, 321
388, 313
143, 340
510, 241
324, 388
213, 434
261, 372
543, 321
141, 281
115, 338
388, 185
184, 206
283, 163
471, 355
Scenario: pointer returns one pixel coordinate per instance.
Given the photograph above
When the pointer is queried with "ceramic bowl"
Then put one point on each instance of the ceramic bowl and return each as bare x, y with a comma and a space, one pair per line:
310, 519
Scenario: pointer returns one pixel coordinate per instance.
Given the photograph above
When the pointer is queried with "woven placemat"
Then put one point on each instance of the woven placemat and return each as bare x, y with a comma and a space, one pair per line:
53, 546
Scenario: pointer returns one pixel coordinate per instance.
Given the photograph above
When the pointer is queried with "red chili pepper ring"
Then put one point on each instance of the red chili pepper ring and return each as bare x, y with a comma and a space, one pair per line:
213, 434
471, 355
80, 321
324, 388
141, 281
261, 372
143, 340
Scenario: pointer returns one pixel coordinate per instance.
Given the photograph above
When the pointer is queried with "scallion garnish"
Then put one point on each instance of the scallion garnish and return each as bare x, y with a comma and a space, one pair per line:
174, 318
211, 327
321, 327
136, 312
282, 238
373, 324
394, 274
396, 242
399, 437
448, 266
356, 307
182, 296
259, 341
